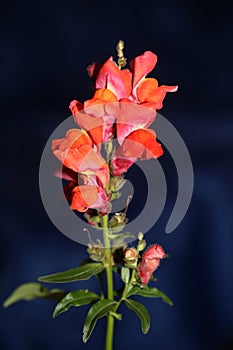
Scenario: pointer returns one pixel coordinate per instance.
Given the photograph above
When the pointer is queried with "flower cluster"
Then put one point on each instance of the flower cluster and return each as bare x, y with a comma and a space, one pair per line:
123, 106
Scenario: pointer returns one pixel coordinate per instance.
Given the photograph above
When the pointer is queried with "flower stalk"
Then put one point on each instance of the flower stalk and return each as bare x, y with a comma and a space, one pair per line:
108, 264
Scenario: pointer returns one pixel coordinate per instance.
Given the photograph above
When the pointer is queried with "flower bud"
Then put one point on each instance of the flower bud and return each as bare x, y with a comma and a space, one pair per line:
130, 253
131, 256
150, 262
96, 253
141, 245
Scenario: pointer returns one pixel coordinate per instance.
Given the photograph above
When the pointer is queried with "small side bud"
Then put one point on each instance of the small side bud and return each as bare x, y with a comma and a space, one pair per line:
141, 242
130, 254
141, 245
131, 257
140, 236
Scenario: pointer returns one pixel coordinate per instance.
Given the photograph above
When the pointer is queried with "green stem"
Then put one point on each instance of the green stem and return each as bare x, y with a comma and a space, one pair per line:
108, 262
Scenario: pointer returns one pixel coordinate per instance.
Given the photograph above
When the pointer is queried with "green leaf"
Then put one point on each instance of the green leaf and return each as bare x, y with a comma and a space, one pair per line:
83, 272
30, 291
98, 310
76, 298
125, 274
141, 312
148, 292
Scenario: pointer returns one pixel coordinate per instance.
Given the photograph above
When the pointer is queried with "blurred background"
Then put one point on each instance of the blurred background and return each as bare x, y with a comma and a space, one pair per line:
45, 49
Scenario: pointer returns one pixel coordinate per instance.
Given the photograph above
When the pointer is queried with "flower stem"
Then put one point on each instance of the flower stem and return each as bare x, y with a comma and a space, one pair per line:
108, 262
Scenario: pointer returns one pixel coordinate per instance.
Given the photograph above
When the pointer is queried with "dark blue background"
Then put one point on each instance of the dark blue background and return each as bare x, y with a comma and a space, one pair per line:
45, 48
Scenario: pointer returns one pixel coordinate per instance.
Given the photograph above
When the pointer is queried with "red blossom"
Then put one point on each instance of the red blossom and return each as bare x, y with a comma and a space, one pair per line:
139, 144
150, 262
82, 164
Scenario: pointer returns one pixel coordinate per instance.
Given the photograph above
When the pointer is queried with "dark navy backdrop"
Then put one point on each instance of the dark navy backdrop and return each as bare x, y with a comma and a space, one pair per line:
45, 48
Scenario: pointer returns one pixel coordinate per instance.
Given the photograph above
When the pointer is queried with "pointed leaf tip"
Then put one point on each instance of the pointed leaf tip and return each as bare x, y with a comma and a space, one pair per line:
98, 310
141, 312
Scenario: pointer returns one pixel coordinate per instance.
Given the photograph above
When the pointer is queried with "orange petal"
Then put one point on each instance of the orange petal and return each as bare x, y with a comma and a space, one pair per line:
96, 105
105, 95
91, 124
72, 149
142, 144
83, 197
146, 89
147, 93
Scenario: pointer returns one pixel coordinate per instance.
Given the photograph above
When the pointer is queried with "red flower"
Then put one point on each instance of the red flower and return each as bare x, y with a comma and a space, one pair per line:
85, 197
139, 144
150, 262
81, 163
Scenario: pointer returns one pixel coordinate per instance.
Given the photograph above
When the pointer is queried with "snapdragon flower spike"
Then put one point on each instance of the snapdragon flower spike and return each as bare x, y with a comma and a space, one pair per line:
82, 163
150, 262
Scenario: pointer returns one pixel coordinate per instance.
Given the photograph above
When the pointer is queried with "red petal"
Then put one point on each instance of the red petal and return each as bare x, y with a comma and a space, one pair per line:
121, 164
154, 252
142, 65
75, 106
114, 79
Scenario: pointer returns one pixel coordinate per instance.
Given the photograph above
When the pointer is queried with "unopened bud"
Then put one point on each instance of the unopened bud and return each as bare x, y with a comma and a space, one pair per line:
130, 253
131, 257
141, 245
